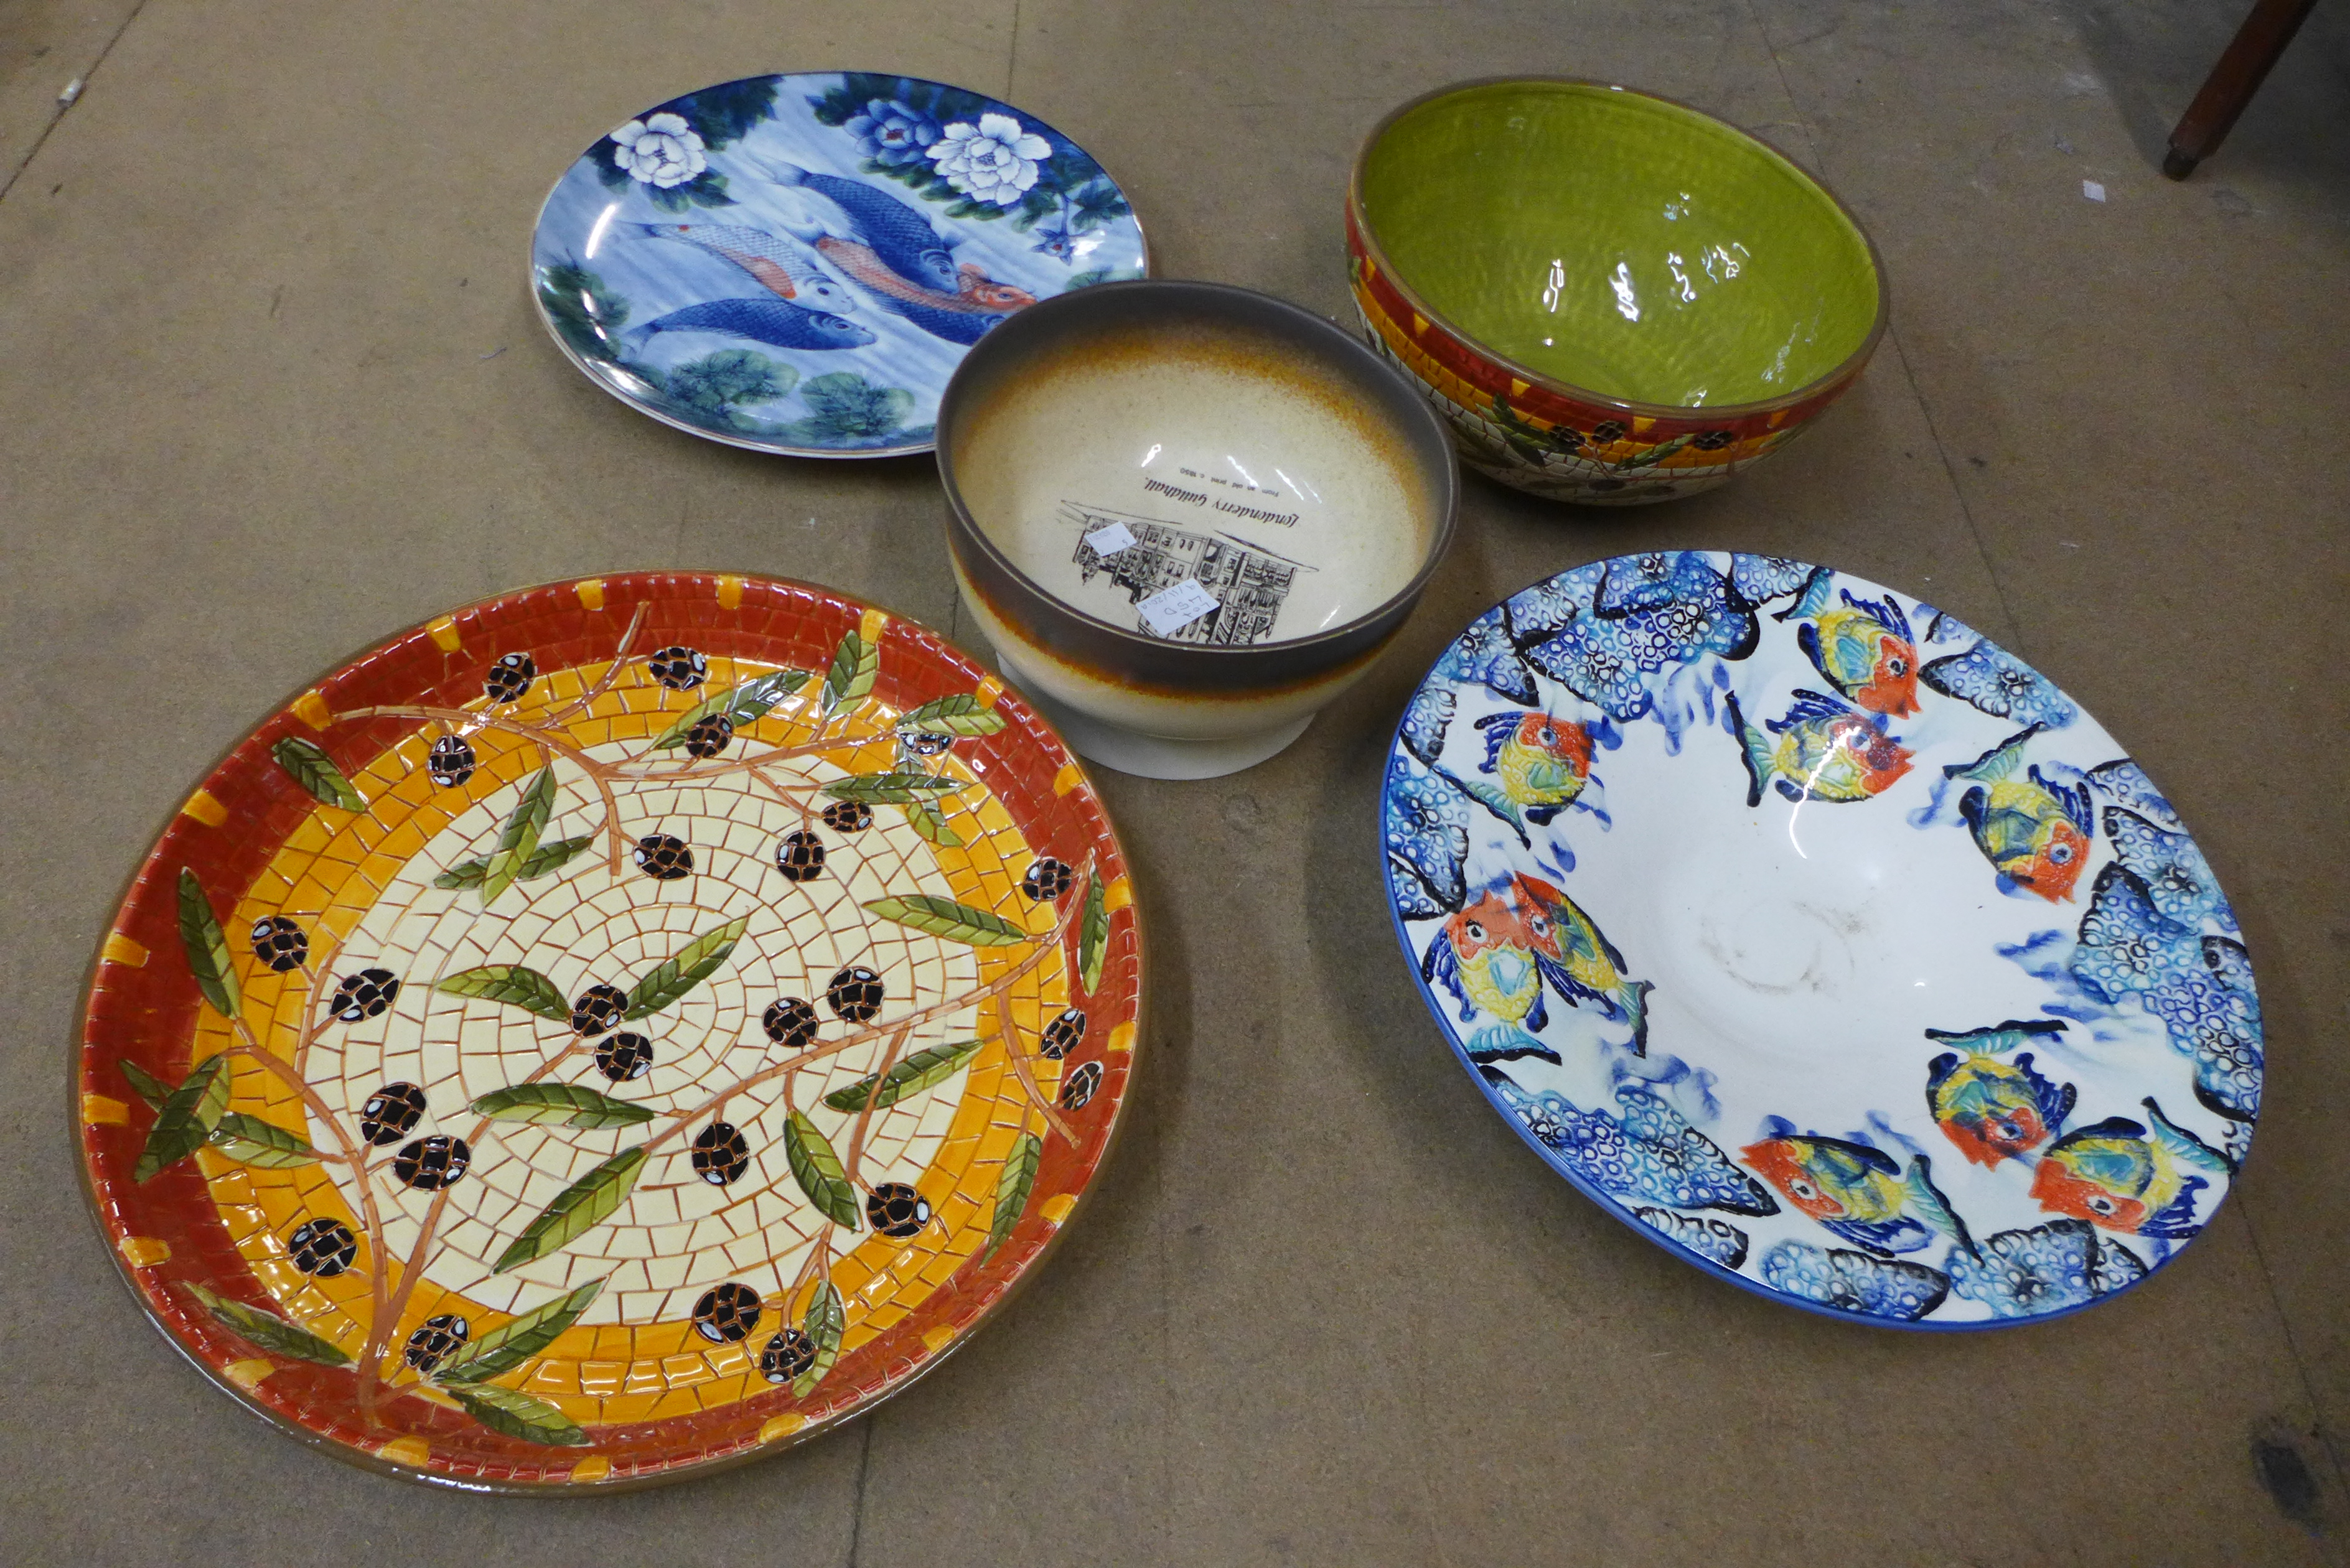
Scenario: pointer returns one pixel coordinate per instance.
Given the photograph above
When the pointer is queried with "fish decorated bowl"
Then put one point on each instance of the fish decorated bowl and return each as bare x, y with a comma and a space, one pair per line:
1821, 940
797, 264
612, 1030
1612, 297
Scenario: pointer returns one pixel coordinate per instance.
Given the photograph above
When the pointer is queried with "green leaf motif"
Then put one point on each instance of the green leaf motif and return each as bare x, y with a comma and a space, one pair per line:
893, 789
854, 665
516, 1414
315, 771
519, 840
517, 1339
1093, 935
511, 983
269, 1331
188, 1117
1011, 1190
207, 946
741, 704
924, 1069
148, 1086
827, 1320
558, 1106
547, 858
931, 825
579, 1208
685, 969
960, 714
249, 1140
1655, 454
945, 917
819, 1171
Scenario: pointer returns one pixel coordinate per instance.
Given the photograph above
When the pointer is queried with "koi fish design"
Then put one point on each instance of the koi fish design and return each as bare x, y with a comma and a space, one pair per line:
778, 323
781, 265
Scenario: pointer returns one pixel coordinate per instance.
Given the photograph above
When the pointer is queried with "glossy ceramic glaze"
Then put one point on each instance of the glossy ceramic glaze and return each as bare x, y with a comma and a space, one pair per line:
1823, 939
480, 1079
797, 264
1612, 296
1239, 442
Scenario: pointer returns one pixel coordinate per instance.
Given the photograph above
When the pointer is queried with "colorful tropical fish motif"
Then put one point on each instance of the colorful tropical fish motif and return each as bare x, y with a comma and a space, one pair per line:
1649, 1151
778, 323
1826, 750
2035, 833
1856, 1283
2048, 1268
1856, 1191
1498, 951
1993, 1108
1865, 648
1540, 764
782, 267
2122, 1177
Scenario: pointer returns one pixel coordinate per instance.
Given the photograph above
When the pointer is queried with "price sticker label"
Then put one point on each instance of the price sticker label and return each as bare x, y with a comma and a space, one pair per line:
1108, 541
1169, 611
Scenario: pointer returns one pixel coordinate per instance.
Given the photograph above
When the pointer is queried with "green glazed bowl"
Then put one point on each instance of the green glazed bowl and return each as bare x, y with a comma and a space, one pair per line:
1612, 296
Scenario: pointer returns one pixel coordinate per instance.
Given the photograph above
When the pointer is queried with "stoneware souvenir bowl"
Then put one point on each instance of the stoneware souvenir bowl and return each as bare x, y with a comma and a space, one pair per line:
1821, 940
1188, 517
1612, 298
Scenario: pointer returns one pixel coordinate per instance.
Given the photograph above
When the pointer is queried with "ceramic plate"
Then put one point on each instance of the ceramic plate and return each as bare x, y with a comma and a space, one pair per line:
1822, 939
797, 264
613, 1030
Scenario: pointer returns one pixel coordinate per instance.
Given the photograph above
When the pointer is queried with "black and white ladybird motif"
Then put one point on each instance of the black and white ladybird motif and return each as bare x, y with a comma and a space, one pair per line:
848, 817
790, 1022
450, 762
433, 1341
363, 995
390, 1112
1079, 1087
664, 857
708, 736
680, 669
1061, 1035
597, 1009
322, 1248
727, 1314
720, 1154
432, 1163
509, 677
800, 857
897, 1209
624, 1057
279, 944
854, 994
790, 1355
1046, 880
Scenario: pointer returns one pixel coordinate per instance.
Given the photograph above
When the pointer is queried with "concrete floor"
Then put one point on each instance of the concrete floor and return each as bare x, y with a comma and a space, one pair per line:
275, 389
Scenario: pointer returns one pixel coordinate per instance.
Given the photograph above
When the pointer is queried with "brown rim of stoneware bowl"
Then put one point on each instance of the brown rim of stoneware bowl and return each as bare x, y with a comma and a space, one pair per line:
1850, 366
1105, 645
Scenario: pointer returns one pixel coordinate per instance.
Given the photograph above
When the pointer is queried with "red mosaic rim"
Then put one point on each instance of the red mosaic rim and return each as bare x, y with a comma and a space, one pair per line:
933, 785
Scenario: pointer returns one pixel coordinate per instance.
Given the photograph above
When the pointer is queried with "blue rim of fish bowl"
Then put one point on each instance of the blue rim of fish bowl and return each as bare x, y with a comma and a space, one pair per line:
856, 233
1970, 675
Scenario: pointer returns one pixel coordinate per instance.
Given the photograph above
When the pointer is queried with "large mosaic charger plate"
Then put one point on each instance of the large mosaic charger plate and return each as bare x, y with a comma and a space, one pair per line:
1821, 938
798, 264
615, 1029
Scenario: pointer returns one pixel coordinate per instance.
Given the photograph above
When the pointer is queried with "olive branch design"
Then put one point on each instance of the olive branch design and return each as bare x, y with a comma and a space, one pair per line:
194, 1113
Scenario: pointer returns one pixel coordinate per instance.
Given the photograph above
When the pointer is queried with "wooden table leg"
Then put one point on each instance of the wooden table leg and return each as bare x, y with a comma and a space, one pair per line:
2231, 86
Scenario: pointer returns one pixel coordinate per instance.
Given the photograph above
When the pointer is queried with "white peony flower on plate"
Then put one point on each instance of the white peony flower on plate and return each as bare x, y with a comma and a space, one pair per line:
660, 150
994, 161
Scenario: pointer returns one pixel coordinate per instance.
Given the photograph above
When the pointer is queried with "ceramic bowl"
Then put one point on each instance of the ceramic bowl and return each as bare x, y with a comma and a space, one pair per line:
1188, 515
1611, 296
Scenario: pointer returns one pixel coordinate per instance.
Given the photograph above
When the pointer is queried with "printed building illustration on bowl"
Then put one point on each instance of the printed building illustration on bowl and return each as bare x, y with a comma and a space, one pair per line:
1249, 585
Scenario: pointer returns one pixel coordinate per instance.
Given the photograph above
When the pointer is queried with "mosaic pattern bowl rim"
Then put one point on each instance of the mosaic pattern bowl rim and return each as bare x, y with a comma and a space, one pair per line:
361, 1459
1368, 233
